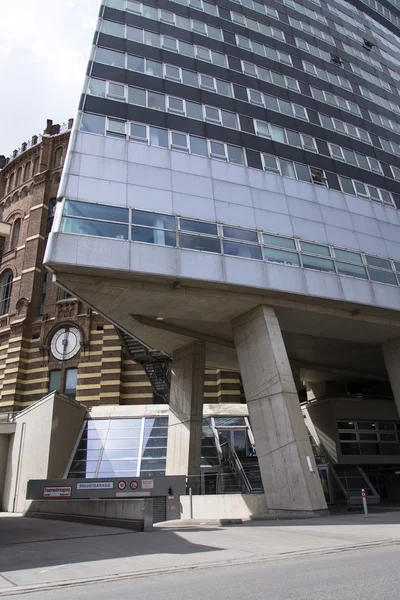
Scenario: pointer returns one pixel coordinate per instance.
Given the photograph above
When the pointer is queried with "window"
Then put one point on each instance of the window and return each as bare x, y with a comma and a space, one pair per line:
15, 234
18, 178
6, 280
27, 170
93, 123
71, 380
369, 438
153, 228
11, 182
55, 380
98, 220
35, 166
56, 178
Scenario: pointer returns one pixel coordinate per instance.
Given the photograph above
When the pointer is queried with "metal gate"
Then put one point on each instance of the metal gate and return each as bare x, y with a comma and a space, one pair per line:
159, 509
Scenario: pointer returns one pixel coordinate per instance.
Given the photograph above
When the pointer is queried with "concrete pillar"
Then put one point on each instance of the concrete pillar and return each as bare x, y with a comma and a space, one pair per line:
288, 470
186, 412
391, 354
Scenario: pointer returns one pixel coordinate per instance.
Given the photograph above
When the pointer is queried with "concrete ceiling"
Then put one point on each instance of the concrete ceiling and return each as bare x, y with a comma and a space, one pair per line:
166, 315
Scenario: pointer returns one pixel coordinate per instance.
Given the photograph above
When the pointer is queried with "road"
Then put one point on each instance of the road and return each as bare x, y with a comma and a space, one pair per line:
352, 575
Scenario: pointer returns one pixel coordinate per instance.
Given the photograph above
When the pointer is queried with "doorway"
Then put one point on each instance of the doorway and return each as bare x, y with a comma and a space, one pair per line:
238, 438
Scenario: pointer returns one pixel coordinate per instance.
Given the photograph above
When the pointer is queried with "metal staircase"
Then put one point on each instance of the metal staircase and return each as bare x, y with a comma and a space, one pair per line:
154, 363
252, 469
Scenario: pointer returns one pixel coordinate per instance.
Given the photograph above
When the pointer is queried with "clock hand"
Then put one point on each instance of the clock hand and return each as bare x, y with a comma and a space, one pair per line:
65, 341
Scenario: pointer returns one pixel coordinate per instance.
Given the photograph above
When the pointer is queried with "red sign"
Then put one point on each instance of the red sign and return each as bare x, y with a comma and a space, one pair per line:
363, 494
121, 485
134, 485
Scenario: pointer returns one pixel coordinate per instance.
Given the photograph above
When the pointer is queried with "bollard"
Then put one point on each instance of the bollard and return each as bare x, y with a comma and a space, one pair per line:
364, 500
191, 502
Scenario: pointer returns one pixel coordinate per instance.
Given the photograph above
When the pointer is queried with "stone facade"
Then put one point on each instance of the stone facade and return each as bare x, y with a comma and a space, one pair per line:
37, 308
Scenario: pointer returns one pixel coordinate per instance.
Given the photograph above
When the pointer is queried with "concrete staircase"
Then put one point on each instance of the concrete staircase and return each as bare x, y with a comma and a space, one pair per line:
251, 468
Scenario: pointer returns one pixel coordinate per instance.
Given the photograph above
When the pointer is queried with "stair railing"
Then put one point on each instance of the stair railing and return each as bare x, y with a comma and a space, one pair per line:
230, 458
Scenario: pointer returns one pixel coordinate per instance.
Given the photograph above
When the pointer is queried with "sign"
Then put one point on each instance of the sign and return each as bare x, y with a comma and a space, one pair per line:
62, 491
147, 484
95, 485
363, 494
121, 485
133, 485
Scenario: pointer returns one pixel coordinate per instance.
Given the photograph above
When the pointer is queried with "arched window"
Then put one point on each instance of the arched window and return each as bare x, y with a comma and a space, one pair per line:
15, 197
56, 178
18, 177
11, 182
15, 234
5, 291
24, 192
27, 171
58, 156
35, 166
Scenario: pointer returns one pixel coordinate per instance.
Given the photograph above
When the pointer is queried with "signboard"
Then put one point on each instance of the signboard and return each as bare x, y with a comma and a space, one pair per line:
363, 494
95, 485
61, 491
133, 485
147, 484
121, 485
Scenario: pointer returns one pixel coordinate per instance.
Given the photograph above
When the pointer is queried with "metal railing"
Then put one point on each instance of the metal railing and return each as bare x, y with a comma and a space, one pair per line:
8, 417
230, 458
213, 483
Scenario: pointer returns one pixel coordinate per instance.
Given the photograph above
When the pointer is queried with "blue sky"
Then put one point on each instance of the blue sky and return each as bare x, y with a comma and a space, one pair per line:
44, 48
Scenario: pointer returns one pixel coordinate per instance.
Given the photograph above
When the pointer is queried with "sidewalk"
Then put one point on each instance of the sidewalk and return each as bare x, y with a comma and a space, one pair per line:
39, 554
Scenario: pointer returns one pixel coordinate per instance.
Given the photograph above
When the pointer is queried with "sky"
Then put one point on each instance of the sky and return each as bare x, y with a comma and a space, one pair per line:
44, 50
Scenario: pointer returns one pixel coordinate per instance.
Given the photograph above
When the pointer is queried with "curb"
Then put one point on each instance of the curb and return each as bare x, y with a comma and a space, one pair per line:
19, 590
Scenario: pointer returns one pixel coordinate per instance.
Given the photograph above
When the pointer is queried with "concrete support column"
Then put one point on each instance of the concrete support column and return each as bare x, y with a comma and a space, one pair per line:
288, 470
391, 354
186, 412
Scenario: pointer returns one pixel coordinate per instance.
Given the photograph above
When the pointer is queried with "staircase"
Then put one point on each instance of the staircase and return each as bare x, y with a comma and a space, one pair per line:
252, 469
154, 363
228, 482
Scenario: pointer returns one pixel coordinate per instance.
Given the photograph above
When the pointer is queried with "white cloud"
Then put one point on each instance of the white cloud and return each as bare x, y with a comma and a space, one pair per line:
44, 49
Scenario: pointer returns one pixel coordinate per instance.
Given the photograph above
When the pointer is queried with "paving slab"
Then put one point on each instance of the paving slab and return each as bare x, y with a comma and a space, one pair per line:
36, 554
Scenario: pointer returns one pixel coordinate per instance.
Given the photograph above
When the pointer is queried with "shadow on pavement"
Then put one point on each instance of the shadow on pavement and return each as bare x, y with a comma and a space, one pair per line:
34, 544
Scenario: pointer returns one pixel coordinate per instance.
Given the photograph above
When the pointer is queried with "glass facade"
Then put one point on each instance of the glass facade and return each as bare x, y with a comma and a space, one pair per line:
227, 72
121, 448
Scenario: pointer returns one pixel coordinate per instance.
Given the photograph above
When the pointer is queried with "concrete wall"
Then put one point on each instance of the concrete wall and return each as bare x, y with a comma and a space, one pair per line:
224, 506
67, 422
4, 445
325, 413
38, 431
137, 509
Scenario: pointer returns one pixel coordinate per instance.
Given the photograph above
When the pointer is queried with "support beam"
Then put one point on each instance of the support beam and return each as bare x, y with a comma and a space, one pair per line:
186, 413
288, 470
391, 354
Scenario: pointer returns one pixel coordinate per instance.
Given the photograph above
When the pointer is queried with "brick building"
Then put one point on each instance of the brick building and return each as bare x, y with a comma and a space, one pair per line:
35, 313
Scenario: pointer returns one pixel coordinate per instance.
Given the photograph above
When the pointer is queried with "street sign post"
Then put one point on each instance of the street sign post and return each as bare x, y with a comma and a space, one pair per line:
364, 500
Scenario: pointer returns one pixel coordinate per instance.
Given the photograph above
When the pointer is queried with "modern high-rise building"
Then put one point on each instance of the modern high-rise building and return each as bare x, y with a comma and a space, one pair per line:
231, 199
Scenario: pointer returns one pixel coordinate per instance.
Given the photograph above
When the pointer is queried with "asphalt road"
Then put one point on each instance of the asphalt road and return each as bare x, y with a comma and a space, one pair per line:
368, 574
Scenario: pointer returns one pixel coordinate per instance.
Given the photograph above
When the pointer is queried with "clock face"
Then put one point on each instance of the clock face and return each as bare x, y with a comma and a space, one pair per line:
65, 343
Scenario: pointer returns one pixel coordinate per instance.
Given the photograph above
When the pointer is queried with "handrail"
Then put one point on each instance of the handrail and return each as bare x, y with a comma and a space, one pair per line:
229, 454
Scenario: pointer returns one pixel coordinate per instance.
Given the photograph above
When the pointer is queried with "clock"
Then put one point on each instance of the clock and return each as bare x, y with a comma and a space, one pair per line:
66, 343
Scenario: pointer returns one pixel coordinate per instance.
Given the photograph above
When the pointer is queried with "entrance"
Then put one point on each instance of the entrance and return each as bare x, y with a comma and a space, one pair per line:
325, 477
238, 438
